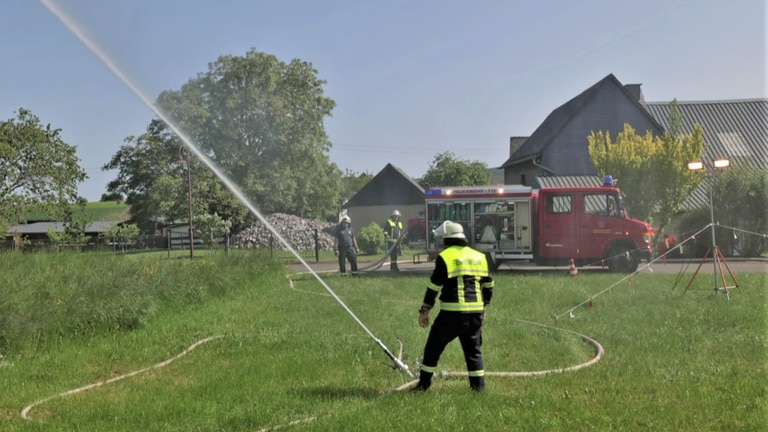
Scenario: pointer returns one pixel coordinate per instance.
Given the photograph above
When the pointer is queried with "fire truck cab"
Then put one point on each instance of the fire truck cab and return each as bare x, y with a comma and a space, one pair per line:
548, 226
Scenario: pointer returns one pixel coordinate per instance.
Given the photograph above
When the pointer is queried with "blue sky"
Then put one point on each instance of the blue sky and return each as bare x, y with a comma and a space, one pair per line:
411, 78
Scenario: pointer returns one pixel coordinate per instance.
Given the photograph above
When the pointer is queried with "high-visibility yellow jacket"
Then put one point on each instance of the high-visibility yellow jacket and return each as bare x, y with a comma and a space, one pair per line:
394, 230
462, 278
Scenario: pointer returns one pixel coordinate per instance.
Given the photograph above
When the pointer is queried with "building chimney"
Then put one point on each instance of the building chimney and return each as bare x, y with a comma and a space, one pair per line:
636, 92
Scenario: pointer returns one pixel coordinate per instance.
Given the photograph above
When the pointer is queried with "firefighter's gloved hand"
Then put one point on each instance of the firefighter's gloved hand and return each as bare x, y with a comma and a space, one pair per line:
424, 315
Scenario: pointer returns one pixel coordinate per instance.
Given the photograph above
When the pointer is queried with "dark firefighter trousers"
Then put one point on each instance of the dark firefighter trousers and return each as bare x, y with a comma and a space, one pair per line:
468, 327
347, 254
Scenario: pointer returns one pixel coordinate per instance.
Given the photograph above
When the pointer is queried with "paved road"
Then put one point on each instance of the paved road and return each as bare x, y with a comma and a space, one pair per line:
736, 265
671, 266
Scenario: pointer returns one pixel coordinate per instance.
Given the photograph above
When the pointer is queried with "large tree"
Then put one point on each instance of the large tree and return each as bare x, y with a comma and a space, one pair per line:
652, 170
261, 121
447, 169
38, 170
155, 174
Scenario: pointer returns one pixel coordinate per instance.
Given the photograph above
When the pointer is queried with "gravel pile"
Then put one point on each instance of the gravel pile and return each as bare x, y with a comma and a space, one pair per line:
300, 233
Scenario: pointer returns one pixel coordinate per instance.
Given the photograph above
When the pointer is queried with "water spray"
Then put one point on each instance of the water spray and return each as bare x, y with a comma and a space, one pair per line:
73, 27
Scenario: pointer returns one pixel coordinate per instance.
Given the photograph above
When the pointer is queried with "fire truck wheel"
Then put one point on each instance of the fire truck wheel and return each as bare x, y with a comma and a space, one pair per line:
622, 260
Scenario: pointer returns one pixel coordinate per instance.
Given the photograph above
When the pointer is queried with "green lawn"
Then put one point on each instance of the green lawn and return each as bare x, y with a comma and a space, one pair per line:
674, 360
108, 210
97, 211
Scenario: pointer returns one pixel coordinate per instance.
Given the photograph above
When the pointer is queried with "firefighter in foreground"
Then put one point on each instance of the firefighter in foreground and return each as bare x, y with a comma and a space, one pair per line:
467, 288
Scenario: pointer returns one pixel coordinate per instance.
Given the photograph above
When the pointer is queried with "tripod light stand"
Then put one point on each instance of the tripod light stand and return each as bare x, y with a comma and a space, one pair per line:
718, 260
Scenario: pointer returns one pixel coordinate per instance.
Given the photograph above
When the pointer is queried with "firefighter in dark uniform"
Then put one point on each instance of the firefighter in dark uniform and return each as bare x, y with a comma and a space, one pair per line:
465, 285
393, 229
346, 245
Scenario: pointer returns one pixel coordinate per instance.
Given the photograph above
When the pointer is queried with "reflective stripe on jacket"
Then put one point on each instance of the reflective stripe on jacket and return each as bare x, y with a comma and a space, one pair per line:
462, 286
395, 229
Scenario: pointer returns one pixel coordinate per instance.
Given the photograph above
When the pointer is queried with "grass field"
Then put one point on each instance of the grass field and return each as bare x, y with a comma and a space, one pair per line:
107, 210
96, 211
291, 357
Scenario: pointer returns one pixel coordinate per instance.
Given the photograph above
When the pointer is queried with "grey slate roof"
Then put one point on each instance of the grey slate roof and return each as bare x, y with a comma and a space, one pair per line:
42, 227
736, 129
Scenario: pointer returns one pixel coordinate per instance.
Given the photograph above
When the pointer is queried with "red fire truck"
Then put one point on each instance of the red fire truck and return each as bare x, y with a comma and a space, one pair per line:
548, 226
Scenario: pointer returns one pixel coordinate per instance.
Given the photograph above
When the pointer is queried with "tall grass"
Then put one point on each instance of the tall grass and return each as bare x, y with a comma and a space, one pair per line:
674, 360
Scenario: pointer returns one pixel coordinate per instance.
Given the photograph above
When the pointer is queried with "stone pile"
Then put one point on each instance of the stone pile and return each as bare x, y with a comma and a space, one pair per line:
299, 232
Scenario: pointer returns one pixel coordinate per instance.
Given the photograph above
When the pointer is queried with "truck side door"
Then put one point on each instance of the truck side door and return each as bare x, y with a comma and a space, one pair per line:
599, 222
557, 226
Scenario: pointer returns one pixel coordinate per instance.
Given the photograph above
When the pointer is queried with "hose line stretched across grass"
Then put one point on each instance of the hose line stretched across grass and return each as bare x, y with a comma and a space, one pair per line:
28, 408
599, 351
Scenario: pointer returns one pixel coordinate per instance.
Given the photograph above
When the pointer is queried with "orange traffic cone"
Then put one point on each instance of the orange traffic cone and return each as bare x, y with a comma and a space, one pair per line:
574, 270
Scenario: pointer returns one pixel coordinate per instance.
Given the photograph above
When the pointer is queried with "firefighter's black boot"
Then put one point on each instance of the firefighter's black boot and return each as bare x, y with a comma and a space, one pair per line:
393, 266
477, 383
425, 381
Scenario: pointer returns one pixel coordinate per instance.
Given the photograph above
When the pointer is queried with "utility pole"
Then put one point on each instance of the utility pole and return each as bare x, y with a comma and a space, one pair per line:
185, 157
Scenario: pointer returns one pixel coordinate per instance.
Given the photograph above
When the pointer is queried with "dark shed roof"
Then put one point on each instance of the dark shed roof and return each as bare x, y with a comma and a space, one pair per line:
391, 186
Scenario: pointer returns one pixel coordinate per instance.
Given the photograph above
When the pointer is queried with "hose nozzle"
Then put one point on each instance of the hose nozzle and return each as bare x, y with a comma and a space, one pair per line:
397, 361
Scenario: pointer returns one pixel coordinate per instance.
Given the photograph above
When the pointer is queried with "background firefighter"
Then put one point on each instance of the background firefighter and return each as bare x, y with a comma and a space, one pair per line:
393, 229
461, 276
346, 245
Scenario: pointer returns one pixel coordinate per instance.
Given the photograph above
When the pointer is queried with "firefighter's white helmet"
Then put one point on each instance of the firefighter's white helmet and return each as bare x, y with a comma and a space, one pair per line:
396, 213
346, 219
450, 229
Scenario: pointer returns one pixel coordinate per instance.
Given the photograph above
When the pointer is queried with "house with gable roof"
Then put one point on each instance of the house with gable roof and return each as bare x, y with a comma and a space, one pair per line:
559, 145
557, 154
391, 189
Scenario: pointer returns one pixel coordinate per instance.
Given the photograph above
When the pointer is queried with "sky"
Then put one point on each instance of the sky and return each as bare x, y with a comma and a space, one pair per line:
411, 78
